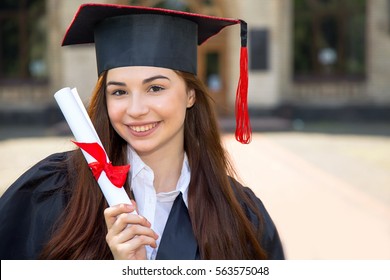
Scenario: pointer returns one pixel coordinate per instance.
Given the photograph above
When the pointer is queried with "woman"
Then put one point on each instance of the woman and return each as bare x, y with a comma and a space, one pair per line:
158, 117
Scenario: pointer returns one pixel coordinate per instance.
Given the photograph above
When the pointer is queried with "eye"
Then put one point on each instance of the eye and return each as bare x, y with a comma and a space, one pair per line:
118, 92
155, 89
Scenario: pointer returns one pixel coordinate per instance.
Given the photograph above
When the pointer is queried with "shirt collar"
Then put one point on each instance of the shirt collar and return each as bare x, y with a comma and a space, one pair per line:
137, 165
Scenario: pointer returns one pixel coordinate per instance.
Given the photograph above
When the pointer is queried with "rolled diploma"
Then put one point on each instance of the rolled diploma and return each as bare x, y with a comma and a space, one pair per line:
83, 130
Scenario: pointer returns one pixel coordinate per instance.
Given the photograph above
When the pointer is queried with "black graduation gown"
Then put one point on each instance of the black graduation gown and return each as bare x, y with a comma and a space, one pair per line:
30, 207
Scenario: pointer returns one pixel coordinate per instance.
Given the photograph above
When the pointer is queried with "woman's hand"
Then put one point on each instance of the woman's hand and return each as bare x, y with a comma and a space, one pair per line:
128, 233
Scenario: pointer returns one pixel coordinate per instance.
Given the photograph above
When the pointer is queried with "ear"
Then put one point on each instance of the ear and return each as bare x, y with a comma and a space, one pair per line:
191, 98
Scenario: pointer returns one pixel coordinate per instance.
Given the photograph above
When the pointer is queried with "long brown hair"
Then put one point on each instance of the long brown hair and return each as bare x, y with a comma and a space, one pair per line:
220, 225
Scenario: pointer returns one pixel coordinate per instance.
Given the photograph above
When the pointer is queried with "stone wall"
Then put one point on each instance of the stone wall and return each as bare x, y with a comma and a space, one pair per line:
378, 46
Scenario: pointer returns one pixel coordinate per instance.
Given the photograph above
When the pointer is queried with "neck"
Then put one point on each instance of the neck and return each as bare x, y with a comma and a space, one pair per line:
166, 168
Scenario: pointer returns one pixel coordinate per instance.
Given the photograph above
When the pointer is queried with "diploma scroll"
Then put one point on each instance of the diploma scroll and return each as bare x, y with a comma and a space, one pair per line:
84, 132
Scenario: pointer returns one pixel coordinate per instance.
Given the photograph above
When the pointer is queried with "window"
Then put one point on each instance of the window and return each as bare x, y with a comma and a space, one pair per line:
180, 5
22, 40
258, 49
213, 73
329, 40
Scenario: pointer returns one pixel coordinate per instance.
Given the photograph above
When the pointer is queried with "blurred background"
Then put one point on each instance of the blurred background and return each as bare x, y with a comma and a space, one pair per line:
319, 100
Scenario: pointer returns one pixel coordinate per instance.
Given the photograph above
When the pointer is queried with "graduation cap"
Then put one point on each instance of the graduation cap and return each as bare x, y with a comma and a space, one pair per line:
144, 36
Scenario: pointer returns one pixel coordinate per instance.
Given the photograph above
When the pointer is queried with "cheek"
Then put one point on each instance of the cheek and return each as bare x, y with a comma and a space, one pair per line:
114, 110
175, 106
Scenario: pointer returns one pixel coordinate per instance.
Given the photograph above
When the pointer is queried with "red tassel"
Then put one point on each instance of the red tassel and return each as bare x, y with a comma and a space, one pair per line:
243, 126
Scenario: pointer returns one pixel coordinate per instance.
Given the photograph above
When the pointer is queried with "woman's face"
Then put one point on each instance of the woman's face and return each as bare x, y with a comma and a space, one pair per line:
147, 107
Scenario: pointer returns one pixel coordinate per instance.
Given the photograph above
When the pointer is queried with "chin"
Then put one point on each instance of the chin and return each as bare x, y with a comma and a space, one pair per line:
143, 148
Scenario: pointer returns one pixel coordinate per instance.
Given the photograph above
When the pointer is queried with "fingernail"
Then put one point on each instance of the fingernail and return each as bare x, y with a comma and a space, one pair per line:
129, 207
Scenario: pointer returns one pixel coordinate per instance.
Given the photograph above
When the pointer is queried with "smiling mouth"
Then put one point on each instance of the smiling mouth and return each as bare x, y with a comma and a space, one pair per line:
143, 128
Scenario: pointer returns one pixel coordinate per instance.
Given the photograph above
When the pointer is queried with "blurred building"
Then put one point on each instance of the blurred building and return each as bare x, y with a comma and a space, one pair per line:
307, 58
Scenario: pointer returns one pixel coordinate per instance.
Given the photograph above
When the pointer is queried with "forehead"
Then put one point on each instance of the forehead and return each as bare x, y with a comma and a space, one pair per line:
140, 72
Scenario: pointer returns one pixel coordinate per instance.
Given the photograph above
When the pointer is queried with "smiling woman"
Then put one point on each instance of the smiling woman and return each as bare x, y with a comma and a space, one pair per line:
150, 111
147, 108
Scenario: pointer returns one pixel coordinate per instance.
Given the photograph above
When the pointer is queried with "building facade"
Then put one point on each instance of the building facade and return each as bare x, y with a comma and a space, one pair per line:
304, 56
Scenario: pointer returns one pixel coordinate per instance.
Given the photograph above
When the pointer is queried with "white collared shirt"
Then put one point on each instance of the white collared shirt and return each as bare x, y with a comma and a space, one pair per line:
155, 207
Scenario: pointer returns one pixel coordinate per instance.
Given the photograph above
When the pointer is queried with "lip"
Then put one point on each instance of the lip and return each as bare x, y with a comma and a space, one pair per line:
143, 129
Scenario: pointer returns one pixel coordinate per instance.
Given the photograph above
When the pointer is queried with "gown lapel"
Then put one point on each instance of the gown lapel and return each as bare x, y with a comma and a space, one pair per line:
178, 241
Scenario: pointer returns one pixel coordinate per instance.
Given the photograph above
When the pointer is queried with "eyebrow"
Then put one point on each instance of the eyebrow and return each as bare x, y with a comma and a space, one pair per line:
145, 81
151, 79
113, 83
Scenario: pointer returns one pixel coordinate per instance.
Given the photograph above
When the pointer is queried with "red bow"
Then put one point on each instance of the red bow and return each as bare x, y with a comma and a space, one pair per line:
116, 174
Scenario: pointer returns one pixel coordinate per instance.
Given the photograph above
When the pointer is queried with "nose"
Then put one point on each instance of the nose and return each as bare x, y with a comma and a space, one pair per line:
137, 106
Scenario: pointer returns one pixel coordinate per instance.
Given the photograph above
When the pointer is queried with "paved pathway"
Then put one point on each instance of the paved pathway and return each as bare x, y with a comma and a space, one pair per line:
329, 195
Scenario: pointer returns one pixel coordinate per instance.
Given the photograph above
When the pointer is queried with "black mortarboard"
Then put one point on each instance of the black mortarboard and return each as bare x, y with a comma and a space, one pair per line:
144, 36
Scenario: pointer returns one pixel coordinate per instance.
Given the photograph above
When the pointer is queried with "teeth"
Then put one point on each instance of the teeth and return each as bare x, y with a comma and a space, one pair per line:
143, 128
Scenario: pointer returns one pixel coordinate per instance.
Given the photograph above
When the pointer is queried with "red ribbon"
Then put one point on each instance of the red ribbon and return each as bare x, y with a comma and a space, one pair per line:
116, 174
